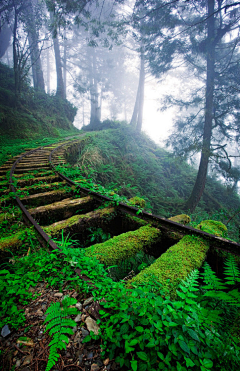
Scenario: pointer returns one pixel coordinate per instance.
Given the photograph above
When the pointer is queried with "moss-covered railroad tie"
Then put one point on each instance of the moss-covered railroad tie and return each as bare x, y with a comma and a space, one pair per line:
128, 244
180, 259
125, 245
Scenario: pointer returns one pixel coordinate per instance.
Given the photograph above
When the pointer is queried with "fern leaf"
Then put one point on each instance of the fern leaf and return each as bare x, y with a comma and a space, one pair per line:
190, 284
68, 322
55, 329
211, 280
53, 357
231, 270
54, 307
211, 316
53, 322
67, 301
59, 326
69, 312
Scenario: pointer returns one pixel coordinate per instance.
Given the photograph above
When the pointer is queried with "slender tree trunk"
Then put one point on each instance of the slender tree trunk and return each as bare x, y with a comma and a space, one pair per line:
136, 120
94, 119
207, 133
48, 71
5, 37
133, 121
38, 80
141, 92
60, 83
65, 64
15, 57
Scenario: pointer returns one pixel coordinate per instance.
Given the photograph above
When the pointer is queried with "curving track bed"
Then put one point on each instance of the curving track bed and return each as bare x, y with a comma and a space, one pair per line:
56, 206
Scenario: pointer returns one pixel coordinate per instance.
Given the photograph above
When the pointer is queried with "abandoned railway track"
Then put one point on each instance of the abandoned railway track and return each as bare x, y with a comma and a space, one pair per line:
54, 205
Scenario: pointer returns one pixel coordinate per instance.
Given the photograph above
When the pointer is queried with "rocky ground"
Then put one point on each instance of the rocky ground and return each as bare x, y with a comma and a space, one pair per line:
32, 353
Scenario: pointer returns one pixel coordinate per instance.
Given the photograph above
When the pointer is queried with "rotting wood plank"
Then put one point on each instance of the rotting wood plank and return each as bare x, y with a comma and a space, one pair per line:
63, 209
46, 197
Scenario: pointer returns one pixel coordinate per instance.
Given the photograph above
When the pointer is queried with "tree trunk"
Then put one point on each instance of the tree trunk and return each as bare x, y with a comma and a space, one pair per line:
133, 121
15, 58
5, 37
65, 64
38, 80
60, 83
136, 120
94, 119
141, 92
48, 71
207, 133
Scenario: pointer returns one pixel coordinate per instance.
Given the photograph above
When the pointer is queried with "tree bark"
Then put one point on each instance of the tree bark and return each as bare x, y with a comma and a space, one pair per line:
141, 92
65, 64
48, 71
38, 80
95, 109
58, 62
207, 132
5, 37
136, 120
60, 83
15, 57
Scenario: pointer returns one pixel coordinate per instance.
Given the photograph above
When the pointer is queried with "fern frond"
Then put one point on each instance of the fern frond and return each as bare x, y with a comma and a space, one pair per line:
53, 308
53, 322
211, 280
59, 326
53, 357
231, 270
210, 316
67, 301
190, 284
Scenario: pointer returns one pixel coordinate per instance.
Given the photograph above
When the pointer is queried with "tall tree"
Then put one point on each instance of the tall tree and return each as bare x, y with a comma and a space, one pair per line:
201, 37
30, 16
208, 119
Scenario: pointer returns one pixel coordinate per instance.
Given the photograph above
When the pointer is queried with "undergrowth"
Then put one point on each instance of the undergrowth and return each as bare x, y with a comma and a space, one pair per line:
142, 327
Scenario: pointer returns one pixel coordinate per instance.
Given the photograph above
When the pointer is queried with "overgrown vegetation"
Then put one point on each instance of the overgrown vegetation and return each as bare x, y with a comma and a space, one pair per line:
36, 114
143, 329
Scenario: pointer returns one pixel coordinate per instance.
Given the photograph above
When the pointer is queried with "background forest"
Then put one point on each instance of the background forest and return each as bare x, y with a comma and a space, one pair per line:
130, 74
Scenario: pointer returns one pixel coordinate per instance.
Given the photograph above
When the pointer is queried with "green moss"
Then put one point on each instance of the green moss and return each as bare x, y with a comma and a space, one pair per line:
138, 202
179, 260
181, 219
125, 245
213, 227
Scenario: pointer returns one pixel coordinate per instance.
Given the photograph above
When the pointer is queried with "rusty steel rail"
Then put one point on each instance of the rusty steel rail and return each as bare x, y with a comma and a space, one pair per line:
155, 220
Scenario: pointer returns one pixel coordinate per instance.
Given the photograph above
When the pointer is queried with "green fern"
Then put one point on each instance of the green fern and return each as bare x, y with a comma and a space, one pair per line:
231, 271
59, 326
188, 287
212, 282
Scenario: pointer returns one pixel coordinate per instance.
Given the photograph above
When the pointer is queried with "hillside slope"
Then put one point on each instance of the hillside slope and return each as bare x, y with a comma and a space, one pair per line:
36, 114
134, 165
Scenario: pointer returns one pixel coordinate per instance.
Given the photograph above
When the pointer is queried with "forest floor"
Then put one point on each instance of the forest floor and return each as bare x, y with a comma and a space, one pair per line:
27, 348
